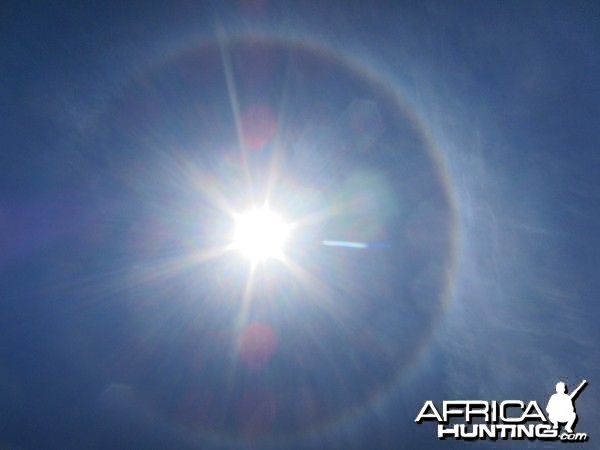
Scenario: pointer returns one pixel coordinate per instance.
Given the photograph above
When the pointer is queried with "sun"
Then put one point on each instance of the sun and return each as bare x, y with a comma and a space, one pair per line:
260, 234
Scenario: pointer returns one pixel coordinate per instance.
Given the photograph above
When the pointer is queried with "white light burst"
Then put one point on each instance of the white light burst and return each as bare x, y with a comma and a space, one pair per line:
260, 234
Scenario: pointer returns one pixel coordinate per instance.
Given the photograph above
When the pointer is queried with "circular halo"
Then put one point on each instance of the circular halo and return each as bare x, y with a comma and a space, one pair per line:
419, 225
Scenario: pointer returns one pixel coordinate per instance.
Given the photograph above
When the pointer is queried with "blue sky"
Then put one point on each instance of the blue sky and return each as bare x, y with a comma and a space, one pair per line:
456, 143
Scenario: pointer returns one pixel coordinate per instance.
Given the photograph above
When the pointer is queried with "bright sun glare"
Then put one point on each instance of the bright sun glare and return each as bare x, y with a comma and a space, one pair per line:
260, 234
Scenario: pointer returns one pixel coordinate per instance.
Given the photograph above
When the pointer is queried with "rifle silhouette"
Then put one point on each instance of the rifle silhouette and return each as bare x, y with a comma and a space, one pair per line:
576, 392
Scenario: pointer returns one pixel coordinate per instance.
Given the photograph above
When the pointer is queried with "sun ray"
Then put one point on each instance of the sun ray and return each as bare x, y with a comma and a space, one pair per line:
277, 157
234, 103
